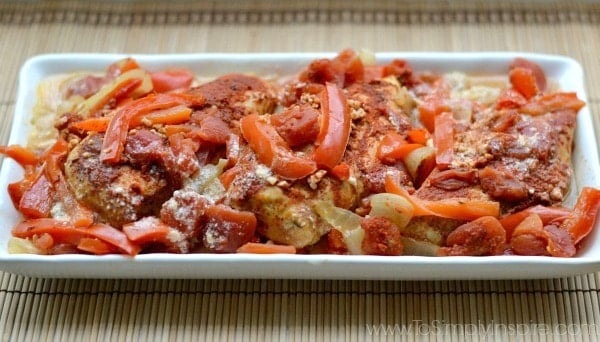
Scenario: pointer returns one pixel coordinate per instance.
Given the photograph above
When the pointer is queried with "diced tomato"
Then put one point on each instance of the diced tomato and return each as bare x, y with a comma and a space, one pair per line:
434, 104
546, 214
227, 229
531, 237
524, 82
298, 125
171, 79
335, 128
373, 72
37, 200
341, 171
272, 150
483, 236
213, 129
382, 237
400, 69
350, 63
536, 70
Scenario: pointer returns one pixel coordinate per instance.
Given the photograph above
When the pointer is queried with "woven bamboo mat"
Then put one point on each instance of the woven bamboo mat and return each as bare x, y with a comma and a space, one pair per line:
259, 310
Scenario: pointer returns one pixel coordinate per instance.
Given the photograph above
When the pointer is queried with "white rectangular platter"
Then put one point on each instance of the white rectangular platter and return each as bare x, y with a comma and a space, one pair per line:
567, 72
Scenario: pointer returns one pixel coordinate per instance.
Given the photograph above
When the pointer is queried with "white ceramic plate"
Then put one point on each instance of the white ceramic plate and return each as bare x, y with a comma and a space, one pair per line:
566, 71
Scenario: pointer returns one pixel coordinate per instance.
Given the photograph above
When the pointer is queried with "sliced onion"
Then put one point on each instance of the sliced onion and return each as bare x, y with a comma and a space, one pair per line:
393, 207
419, 163
206, 181
418, 247
367, 57
347, 222
99, 99
21, 246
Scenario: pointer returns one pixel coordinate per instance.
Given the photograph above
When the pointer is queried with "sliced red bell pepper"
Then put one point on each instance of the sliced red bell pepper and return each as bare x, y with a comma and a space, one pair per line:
119, 125
272, 150
418, 136
434, 104
20, 154
551, 103
443, 137
393, 147
335, 127
584, 215
65, 232
54, 158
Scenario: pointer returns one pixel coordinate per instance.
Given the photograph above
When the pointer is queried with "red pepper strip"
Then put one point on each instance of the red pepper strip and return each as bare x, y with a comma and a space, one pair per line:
264, 248
546, 214
272, 150
551, 103
94, 246
151, 230
64, 231
61, 231
169, 116
418, 136
92, 124
115, 136
444, 139
335, 127
112, 236
80, 215
460, 209
20, 154
393, 147
17, 189
583, 217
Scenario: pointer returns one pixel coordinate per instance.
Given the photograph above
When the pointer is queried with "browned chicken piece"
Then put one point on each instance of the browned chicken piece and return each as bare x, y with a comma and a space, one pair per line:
377, 108
124, 192
285, 209
234, 96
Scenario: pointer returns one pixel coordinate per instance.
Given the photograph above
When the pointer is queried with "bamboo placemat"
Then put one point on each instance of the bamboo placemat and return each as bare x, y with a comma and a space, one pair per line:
259, 310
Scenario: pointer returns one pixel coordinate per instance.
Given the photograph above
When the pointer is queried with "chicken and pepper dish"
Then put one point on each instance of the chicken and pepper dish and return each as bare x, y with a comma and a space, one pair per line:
346, 157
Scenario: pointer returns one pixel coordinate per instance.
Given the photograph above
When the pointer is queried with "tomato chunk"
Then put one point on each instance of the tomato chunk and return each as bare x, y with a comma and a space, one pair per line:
171, 79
